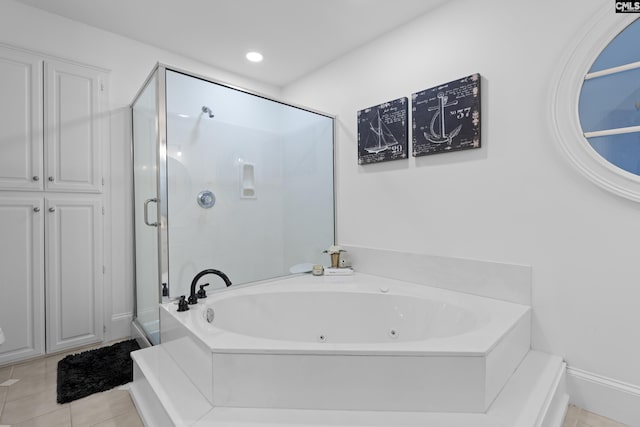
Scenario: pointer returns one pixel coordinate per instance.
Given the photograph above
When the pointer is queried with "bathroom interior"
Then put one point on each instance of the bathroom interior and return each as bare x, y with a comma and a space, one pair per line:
251, 169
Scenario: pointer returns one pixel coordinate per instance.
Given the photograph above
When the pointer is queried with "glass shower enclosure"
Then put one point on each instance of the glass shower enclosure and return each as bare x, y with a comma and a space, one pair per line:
224, 179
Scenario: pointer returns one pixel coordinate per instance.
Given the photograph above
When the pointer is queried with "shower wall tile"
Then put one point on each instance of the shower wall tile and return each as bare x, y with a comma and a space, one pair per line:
289, 218
507, 282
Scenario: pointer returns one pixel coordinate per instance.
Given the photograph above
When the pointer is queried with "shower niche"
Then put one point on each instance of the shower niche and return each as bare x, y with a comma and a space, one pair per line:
224, 179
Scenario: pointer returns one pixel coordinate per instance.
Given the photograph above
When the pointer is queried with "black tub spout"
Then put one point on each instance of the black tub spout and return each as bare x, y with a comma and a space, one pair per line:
193, 299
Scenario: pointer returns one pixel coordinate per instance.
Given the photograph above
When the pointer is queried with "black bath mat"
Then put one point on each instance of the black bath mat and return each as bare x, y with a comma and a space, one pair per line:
82, 374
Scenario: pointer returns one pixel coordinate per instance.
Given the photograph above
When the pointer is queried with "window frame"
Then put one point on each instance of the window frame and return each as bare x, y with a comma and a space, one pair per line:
580, 56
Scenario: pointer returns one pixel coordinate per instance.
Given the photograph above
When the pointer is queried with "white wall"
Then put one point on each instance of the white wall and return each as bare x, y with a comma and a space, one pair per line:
130, 63
517, 199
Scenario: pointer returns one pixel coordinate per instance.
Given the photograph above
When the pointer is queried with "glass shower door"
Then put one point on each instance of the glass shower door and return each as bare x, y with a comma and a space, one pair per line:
269, 167
146, 214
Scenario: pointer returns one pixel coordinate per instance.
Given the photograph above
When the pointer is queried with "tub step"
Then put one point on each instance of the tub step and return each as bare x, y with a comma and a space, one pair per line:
162, 393
533, 397
536, 393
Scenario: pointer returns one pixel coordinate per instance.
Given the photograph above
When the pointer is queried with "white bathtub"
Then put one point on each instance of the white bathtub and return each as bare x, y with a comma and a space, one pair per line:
354, 343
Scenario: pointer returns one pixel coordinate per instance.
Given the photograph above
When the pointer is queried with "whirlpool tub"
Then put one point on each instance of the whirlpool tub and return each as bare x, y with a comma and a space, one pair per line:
357, 342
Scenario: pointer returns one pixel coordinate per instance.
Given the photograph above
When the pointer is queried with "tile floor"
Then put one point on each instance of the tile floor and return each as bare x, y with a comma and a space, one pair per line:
31, 402
577, 417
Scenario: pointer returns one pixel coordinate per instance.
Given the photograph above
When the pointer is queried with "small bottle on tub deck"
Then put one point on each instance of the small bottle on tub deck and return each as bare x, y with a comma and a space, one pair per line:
317, 270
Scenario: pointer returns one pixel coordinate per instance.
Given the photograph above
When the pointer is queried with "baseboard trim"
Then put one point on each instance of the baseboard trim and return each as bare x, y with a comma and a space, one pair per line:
605, 396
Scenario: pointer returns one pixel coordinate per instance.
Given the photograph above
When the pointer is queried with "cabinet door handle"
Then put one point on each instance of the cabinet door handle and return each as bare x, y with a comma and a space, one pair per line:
36, 178
146, 212
36, 209
51, 179
52, 209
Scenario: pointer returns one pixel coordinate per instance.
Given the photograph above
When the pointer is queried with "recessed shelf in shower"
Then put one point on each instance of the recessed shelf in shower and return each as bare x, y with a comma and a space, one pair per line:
247, 181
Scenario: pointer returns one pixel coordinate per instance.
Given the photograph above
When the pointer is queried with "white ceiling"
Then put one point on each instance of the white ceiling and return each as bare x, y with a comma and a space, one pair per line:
295, 36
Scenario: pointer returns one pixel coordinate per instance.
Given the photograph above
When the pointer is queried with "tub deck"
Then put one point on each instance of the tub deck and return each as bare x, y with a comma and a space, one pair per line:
461, 373
503, 317
460, 376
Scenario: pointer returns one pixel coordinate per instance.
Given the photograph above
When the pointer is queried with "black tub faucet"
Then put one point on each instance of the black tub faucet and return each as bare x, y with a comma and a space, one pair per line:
182, 304
193, 299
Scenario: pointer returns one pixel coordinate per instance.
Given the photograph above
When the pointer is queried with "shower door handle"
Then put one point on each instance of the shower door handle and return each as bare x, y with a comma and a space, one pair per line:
146, 212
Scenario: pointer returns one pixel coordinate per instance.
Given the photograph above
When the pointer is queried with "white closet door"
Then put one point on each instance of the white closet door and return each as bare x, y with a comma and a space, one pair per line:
74, 271
73, 120
20, 121
21, 277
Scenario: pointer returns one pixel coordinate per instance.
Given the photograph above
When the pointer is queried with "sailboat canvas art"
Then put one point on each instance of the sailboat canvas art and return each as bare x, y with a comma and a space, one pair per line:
447, 117
382, 132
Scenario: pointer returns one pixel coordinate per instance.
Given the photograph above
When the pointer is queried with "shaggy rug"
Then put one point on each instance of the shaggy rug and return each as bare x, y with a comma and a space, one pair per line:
82, 374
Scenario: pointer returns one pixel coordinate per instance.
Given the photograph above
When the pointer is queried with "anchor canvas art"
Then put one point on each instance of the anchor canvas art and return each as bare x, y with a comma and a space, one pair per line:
382, 132
447, 117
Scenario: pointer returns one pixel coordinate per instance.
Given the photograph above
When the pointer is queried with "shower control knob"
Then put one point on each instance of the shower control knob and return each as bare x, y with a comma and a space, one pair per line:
36, 178
206, 199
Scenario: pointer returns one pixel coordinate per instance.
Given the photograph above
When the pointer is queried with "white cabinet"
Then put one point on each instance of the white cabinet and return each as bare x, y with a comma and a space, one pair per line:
73, 257
65, 276
21, 112
50, 134
51, 204
21, 277
72, 123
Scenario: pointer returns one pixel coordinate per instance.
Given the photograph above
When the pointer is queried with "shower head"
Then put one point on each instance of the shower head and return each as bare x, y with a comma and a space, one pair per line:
208, 111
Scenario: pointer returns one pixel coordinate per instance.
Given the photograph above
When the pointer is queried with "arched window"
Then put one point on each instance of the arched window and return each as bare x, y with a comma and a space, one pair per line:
596, 108
609, 105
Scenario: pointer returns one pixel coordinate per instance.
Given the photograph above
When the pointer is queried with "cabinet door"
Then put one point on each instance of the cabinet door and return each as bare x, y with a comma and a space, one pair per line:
73, 127
74, 271
21, 278
20, 120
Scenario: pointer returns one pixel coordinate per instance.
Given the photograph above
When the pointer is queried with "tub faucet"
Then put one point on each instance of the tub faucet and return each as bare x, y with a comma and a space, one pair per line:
193, 299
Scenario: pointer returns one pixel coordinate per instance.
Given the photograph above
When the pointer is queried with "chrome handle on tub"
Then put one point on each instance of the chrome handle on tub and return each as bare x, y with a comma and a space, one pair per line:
146, 212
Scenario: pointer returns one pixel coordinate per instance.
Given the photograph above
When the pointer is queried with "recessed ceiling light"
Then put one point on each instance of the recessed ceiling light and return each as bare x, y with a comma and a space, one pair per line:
254, 56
